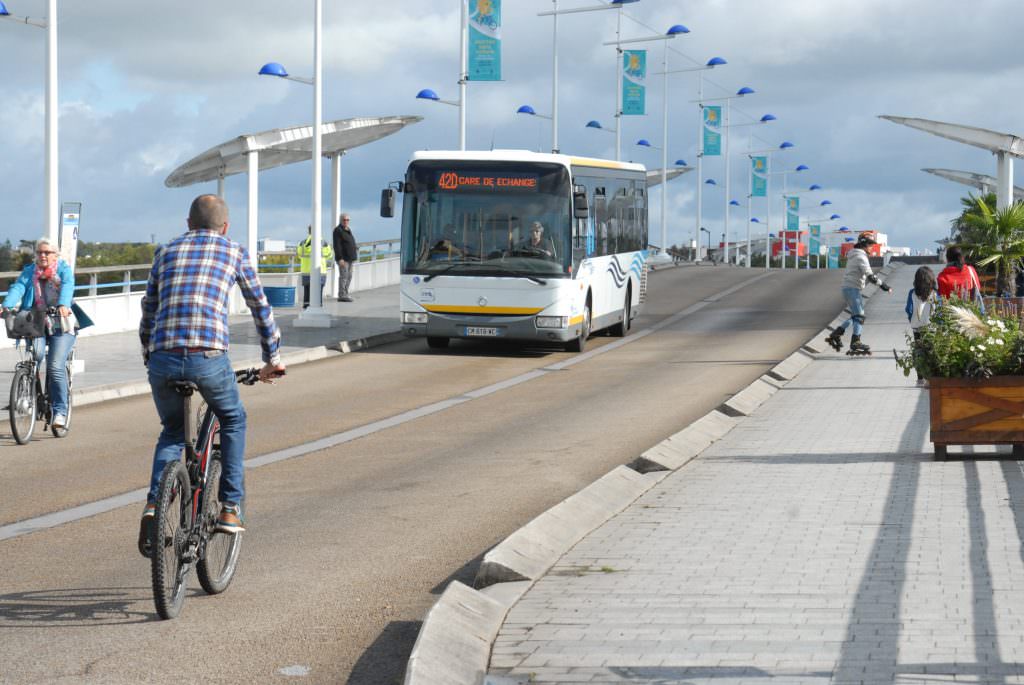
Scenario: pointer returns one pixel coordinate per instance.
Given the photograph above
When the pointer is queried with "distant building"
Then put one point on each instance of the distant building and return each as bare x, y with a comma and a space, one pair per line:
271, 245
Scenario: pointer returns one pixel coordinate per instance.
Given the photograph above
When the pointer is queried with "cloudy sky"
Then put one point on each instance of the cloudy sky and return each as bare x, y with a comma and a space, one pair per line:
146, 86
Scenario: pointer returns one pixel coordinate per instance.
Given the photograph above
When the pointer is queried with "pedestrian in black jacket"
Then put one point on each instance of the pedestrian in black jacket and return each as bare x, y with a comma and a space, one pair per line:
346, 253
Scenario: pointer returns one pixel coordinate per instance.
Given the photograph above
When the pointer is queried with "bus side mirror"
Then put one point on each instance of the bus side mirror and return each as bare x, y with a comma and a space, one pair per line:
387, 203
580, 210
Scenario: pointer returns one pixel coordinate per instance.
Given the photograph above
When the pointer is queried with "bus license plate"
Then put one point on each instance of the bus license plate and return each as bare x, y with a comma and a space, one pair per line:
481, 331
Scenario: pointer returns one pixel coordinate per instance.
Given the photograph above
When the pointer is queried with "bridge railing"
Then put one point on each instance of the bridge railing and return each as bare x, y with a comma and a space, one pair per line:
115, 306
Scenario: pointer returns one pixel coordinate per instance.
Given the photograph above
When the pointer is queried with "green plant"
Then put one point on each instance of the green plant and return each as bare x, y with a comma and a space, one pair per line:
995, 237
960, 342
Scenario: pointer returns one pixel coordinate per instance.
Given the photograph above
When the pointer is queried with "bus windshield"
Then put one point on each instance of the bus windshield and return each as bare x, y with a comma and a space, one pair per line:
487, 219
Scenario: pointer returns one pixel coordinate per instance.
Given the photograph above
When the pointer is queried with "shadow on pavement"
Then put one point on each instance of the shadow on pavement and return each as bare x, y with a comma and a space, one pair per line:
74, 607
383, 662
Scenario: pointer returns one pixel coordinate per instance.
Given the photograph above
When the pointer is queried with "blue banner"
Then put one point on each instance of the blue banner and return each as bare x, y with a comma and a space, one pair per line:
634, 75
758, 176
833, 257
712, 131
792, 214
484, 40
814, 239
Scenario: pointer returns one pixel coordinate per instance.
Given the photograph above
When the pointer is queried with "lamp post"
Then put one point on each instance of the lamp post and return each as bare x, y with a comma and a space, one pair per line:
768, 196
51, 171
672, 32
784, 146
708, 182
428, 94
704, 230
710, 64
615, 4
814, 187
809, 221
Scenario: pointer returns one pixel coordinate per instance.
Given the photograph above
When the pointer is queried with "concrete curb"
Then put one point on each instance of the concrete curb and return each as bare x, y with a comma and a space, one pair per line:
677, 450
529, 552
746, 401
117, 391
454, 644
788, 368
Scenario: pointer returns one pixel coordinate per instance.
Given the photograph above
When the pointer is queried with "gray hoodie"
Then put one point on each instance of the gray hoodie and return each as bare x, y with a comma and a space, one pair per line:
857, 269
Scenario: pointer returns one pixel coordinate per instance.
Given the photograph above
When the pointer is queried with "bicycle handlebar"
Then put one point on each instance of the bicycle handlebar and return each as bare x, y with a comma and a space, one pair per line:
251, 376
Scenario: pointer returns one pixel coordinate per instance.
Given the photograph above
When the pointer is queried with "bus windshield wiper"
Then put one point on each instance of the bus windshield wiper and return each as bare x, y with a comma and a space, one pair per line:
445, 270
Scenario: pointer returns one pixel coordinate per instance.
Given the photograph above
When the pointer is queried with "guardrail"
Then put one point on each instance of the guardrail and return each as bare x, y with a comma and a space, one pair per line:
115, 306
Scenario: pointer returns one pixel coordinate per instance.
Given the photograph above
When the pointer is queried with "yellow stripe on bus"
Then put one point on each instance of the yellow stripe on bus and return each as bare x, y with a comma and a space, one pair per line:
466, 309
575, 320
601, 163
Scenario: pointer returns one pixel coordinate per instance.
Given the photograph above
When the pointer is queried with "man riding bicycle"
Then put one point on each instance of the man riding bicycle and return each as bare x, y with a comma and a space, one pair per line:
184, 335
48, 284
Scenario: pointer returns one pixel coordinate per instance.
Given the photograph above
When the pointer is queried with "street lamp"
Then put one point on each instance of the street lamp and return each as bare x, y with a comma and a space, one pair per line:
704, 230
615, 4
51, 190
783, 147
672, 32
768, 196
428, 94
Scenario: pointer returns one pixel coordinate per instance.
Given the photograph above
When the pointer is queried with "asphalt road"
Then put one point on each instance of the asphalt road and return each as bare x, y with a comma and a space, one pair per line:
350, 545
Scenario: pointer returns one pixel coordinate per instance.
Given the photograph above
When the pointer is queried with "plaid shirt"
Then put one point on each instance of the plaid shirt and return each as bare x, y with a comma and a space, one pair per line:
186, 301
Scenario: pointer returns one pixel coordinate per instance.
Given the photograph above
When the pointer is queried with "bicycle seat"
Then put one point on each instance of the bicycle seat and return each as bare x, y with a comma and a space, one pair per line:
183, 388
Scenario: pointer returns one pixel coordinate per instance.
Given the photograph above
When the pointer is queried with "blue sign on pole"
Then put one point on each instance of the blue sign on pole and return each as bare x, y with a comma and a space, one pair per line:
758, 176
484, 40
634, 76
792, 214
814, 239
712, 130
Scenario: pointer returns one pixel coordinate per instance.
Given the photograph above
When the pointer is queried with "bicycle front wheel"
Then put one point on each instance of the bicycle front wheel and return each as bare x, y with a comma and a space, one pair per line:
23, 405
217, 564
61, 432
169, 538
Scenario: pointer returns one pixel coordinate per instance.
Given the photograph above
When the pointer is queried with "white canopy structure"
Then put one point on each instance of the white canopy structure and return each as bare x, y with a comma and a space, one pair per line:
654, 175
252, 153
983, 182
1004, 146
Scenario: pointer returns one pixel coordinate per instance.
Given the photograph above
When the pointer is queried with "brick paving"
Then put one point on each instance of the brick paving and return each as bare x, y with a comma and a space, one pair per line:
817, 542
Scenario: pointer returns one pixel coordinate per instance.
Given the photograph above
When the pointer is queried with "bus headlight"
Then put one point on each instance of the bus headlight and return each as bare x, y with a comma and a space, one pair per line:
414, 317
552, 321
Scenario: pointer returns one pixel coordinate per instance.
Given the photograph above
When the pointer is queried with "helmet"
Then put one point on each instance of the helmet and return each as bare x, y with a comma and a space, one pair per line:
866, 238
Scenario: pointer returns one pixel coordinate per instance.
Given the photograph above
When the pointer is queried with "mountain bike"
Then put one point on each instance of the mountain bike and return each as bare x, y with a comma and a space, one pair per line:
30, 398
182, 532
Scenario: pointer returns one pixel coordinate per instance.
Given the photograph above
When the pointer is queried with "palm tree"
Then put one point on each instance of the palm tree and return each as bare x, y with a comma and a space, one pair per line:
961, 233
995, 237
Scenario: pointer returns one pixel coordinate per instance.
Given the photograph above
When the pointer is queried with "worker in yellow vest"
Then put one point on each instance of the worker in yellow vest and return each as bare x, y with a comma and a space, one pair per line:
304, 250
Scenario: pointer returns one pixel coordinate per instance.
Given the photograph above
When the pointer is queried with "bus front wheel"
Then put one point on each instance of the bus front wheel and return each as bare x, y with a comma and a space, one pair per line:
578, 344
436, 342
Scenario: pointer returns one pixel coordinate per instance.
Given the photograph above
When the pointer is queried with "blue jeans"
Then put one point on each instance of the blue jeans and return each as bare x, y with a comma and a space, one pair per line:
855, 302
55, 348
212, 372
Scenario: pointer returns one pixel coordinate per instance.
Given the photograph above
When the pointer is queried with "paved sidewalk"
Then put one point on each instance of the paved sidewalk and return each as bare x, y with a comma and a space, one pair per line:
113, 361
817, 542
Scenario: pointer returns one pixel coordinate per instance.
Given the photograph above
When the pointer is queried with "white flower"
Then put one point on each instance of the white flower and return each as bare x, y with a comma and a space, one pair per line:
981, 347
990, 322
1000, 342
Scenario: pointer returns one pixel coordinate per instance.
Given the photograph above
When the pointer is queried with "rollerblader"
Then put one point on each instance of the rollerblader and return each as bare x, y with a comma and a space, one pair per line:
858, 274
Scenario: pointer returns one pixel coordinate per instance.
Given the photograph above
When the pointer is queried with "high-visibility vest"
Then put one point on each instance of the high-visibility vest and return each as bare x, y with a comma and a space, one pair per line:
306, 247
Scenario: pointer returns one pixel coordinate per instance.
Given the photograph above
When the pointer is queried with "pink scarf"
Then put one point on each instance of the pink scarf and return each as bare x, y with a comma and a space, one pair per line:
47, 274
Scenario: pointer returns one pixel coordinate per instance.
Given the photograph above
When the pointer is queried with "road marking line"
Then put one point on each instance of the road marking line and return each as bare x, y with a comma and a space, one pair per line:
135, 497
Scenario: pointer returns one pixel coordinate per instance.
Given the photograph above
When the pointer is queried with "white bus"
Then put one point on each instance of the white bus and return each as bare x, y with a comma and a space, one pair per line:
516, 245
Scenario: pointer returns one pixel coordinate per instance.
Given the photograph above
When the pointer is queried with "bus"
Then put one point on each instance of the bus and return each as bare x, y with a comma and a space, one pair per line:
517, 245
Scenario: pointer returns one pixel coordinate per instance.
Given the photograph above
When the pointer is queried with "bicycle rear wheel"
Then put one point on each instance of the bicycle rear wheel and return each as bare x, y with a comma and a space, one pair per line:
61, 432
169, 538
217, 564
23, 405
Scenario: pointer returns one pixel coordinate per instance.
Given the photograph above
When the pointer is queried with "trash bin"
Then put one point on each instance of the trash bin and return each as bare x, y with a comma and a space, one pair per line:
280, 296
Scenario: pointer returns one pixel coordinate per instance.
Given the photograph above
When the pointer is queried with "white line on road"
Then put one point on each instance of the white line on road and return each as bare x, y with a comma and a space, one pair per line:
102, 506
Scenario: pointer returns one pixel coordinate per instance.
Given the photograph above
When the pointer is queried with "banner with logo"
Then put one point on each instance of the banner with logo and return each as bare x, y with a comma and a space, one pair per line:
814, 239
792, 214
70, 218
758, 176
634, 76
712, 130
833, 257
484, 40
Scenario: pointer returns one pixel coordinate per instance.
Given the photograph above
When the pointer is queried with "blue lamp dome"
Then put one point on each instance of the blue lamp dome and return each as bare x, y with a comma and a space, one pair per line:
786, 145
427, 94
814, 186
710, 182
803, 167
734, 203
594, 123
825, 203
716, 62
768, 117
3, 10
268, 69
745, 90
844, 228
643, 142
526, 109
676, 30
834, 217
680, 162
624, 2
754, 220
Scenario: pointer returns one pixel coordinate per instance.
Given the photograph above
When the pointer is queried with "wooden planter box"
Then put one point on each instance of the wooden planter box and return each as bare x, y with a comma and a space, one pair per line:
968, 411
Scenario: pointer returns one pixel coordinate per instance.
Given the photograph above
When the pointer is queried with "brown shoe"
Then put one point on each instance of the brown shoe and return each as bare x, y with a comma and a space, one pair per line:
229, 520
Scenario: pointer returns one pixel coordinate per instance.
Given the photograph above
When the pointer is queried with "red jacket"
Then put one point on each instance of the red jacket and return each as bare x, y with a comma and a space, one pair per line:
961, 281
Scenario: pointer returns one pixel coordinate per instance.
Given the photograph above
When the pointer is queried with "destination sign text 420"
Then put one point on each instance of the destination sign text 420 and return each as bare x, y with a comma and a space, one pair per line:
463, 180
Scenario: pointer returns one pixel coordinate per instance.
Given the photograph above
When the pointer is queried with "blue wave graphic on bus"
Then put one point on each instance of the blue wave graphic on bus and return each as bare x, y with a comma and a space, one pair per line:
619, 275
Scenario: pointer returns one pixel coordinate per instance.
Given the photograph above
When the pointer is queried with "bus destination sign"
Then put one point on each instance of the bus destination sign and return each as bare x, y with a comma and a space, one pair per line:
498, 182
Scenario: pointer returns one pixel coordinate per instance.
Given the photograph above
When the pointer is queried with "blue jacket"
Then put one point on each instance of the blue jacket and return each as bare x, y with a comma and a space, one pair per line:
22, 290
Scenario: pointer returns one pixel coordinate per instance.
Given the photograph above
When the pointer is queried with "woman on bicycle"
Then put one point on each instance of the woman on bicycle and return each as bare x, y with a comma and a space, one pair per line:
49, 282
